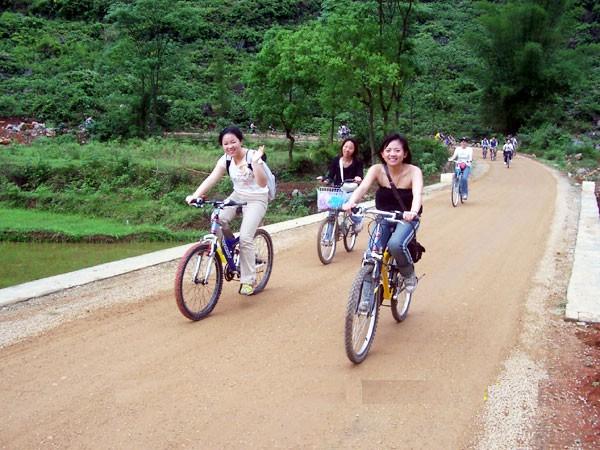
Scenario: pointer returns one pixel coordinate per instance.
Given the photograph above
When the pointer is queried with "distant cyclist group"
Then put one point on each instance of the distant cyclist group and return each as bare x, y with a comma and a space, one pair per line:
509, 149
390, 252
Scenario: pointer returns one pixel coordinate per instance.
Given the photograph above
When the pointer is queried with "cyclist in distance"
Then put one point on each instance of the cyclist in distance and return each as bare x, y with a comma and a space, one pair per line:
493, 147
485, 145
408, 182
347, 166
507, 151
463, 153
246, 169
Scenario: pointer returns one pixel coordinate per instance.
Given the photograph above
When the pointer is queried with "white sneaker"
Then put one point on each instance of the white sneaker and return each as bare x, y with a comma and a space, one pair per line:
410, 283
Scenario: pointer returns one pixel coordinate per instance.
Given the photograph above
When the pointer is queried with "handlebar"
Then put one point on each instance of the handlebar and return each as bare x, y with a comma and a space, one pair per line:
327, 180
199, 203
389, 216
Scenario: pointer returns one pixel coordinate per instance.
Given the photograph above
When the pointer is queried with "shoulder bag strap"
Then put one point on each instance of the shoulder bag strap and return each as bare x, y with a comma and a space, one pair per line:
341, 171
394, 189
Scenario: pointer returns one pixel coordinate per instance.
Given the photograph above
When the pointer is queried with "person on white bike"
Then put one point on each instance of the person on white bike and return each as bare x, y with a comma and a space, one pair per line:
247, 172
463, 154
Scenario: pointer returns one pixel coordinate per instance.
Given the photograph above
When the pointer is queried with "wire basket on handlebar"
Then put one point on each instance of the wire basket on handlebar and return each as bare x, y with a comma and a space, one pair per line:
331, 198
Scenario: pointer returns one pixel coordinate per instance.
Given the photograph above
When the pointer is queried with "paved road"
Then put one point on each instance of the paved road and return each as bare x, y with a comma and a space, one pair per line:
270, 371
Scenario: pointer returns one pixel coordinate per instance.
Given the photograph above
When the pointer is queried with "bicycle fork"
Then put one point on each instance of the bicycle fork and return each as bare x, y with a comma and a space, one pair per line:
209, 255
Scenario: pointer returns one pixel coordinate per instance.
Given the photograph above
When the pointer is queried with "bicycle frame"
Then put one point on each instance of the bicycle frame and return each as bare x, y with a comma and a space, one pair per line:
217, 245
382, 264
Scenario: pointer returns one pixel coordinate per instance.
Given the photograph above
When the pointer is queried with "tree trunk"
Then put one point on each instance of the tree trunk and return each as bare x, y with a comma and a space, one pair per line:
288, 134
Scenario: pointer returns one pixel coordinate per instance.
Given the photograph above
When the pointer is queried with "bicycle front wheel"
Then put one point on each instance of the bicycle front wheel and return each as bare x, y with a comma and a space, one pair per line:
362, 313
350, 235
263, 249
327, 239
400, 303
198, 282
455, 195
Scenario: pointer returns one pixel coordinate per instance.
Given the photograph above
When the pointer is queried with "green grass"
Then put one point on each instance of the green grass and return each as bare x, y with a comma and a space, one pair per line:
21, 224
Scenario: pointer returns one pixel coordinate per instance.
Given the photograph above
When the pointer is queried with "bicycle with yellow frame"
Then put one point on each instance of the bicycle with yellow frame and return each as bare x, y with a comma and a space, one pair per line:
378, 282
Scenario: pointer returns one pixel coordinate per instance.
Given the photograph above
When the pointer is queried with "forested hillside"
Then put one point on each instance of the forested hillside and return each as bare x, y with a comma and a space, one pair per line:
141, 67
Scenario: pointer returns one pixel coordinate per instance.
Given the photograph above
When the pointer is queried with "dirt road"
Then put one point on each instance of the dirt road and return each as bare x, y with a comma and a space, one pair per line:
270, 370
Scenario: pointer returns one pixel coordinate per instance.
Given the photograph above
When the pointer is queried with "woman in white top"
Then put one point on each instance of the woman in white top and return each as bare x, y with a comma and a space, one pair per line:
463, 154
246, 169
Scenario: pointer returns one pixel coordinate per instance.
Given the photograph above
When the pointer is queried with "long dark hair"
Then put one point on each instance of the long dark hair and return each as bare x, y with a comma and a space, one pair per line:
231, 130
396, 137
355, 155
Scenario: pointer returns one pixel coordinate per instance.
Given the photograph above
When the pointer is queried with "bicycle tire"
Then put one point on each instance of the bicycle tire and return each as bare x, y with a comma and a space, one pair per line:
455, 194
400, 308
360, 327
326, 247
196, 299
350, 235
263, 249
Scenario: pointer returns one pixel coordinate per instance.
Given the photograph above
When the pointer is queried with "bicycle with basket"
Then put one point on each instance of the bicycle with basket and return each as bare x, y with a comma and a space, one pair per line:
338, 225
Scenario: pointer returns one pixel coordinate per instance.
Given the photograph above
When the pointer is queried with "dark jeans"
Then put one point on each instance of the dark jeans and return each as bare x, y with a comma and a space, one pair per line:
396, 237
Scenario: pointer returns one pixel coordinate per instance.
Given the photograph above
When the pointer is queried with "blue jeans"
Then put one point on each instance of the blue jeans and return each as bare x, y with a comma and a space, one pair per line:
396, 237
464, 181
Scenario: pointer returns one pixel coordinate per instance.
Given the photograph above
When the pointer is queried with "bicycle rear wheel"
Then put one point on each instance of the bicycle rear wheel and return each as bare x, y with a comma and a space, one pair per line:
361, 322
198, 282
350, 235
327, 239
263, 249
455, 194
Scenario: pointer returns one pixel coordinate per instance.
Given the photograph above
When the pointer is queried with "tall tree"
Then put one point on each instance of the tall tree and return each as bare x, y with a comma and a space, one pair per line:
149, 31
280, 86
373, 40
521, 48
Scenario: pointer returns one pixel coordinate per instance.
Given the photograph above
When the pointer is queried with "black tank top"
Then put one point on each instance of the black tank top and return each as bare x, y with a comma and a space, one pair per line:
386, 201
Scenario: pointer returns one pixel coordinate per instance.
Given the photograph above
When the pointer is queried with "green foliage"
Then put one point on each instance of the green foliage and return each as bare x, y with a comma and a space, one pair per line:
429, 154
523, 68
555, 144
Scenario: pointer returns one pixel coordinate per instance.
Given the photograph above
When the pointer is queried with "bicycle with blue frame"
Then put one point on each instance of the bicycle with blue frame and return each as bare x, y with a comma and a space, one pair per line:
457, 193
338, 225
377, 283
201, 270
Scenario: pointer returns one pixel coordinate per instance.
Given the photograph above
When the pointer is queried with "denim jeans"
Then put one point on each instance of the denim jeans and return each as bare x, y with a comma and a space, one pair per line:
464, 181
396, 237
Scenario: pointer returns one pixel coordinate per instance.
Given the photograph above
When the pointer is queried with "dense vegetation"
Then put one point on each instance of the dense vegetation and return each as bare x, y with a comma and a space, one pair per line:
143, 67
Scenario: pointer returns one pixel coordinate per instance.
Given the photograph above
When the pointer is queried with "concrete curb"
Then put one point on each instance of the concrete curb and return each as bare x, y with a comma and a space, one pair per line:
583, 293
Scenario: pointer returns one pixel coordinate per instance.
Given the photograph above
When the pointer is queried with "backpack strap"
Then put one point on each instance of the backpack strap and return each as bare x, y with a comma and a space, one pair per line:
228, 160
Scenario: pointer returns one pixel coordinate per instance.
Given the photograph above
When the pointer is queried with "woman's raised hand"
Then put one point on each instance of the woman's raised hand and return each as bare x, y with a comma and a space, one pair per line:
258, 154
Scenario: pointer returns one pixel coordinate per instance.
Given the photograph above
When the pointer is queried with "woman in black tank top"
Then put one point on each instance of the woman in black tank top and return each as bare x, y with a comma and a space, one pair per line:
408, 181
